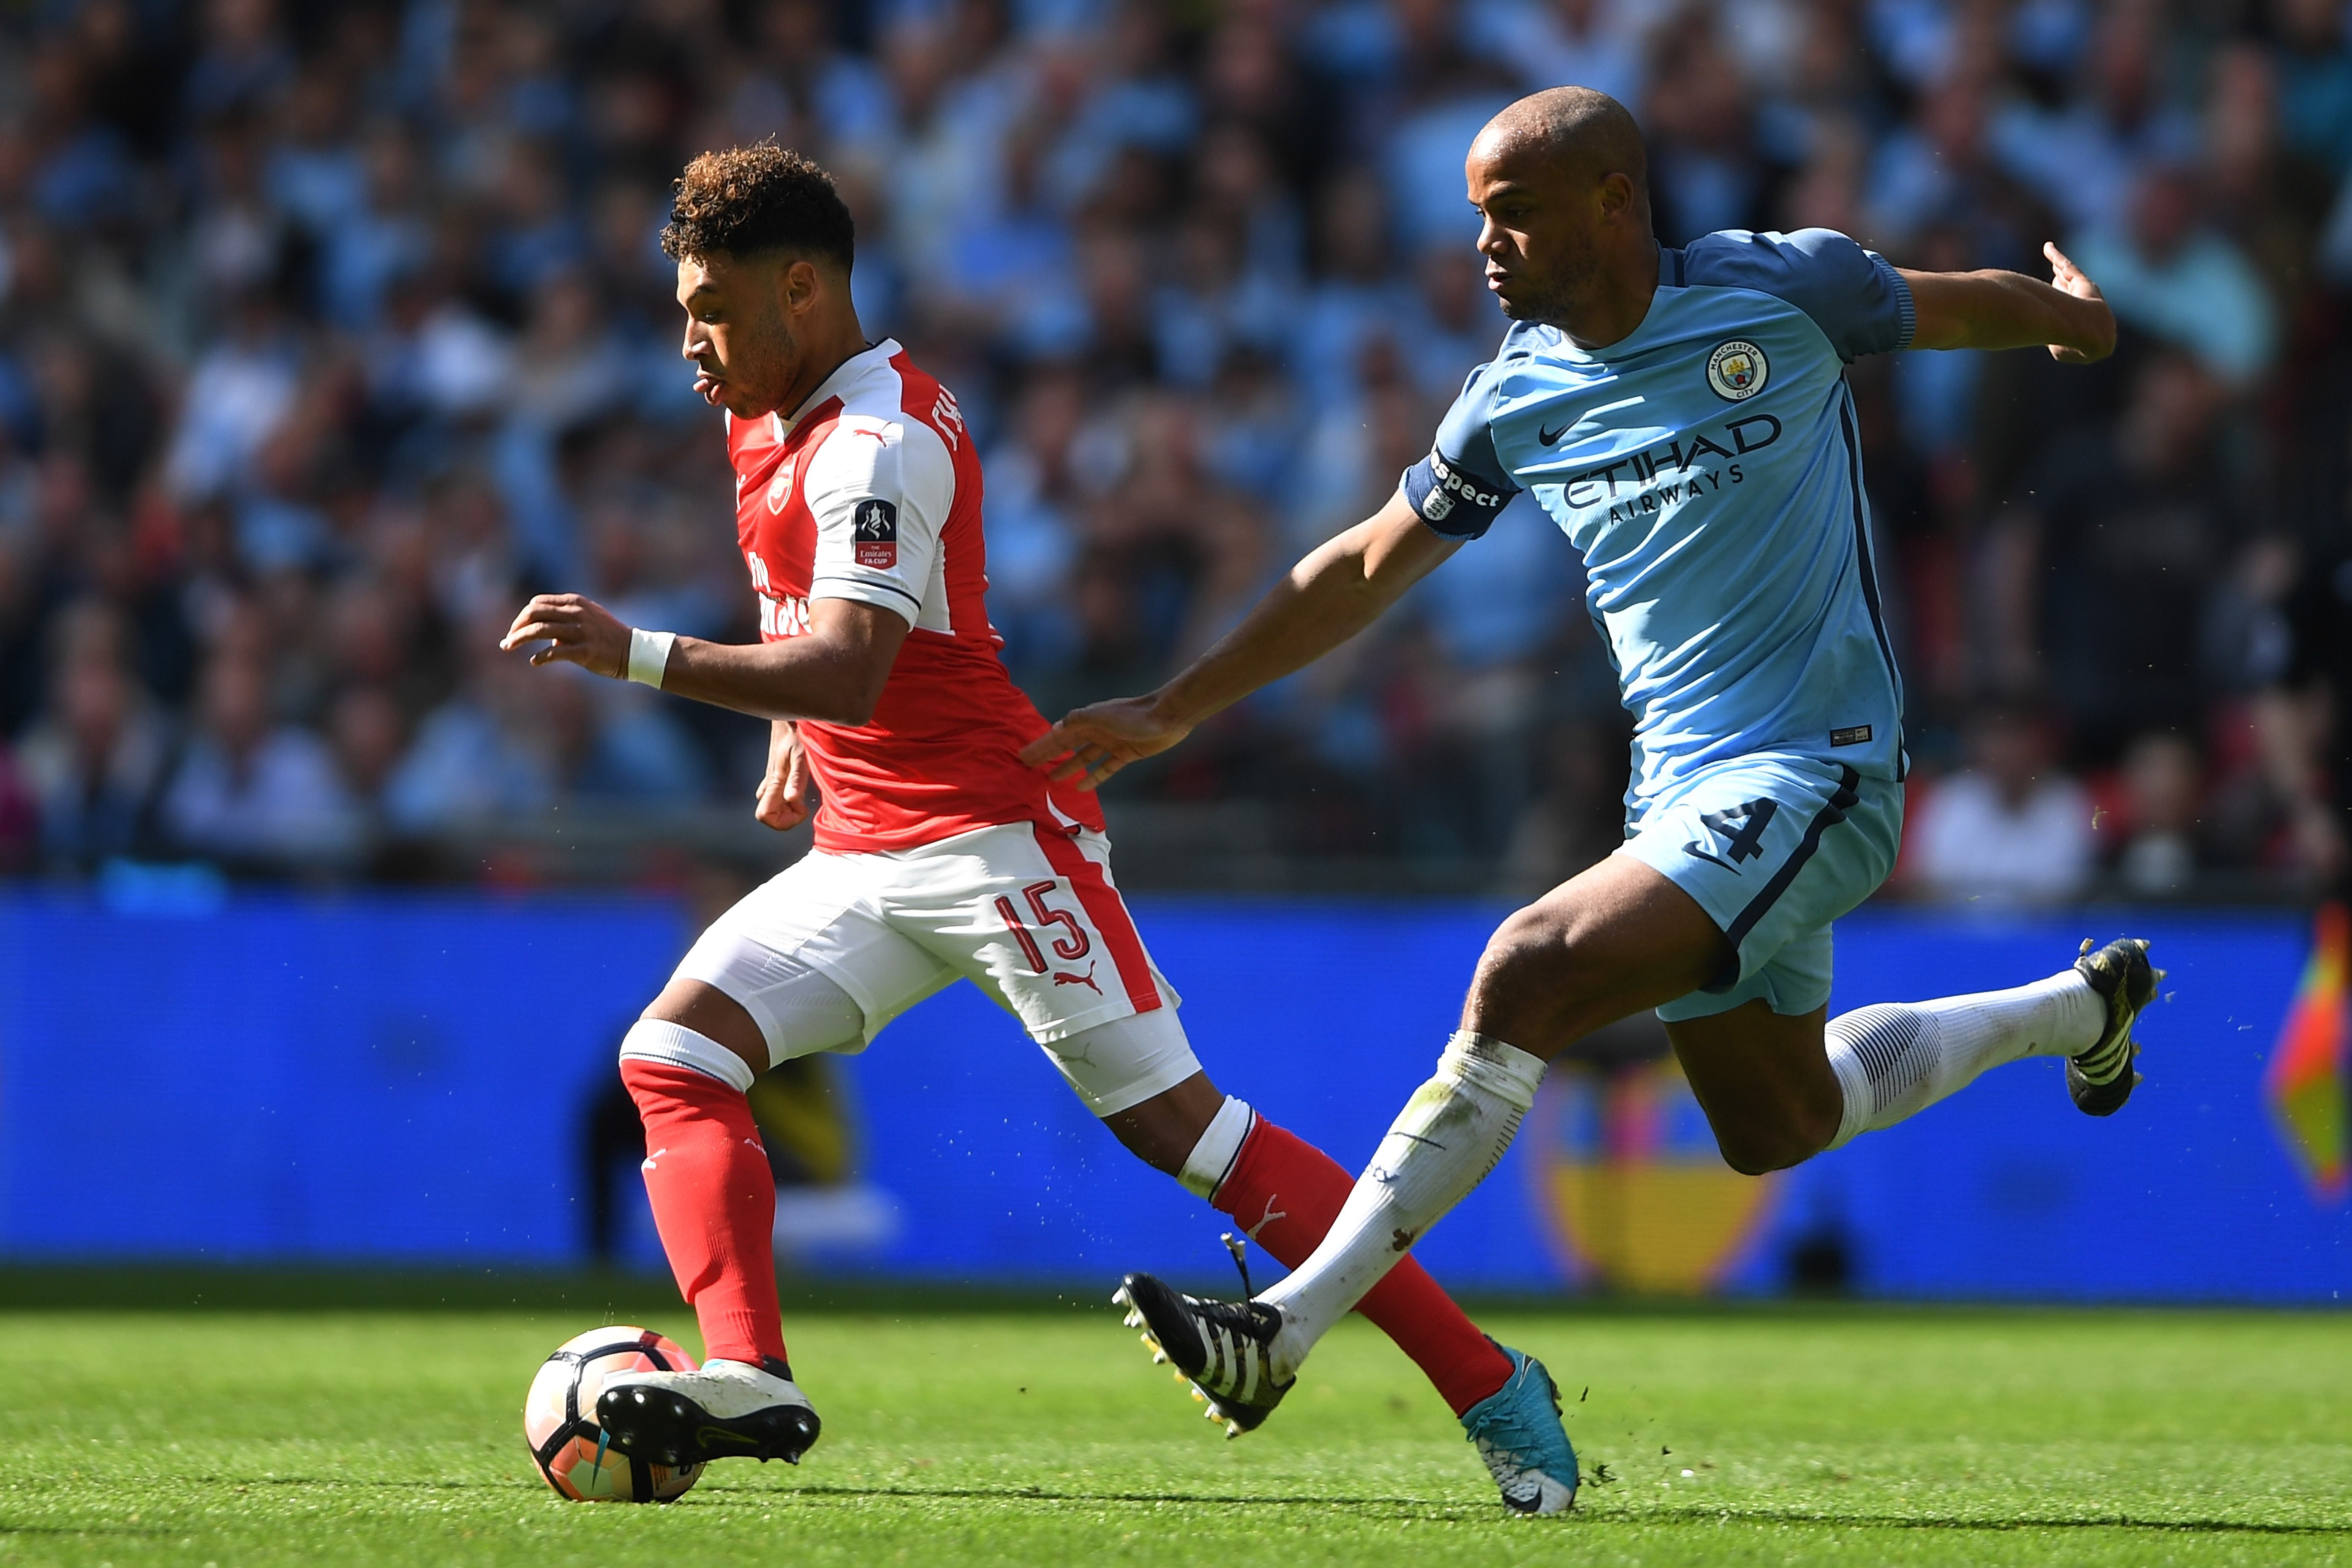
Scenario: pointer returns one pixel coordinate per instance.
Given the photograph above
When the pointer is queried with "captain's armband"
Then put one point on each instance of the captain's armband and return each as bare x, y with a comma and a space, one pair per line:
1454, 501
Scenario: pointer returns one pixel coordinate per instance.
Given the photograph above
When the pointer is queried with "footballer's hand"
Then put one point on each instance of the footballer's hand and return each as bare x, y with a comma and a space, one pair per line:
782, 802
2068, 278
576, 629
1094, 743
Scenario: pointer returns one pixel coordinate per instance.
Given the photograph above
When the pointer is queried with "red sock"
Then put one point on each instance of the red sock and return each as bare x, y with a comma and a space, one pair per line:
715, 1205
1286, 1193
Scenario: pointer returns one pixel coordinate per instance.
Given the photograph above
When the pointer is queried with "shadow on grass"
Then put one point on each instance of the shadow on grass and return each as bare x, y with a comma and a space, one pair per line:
1416, 1508
127, 1531
1420, 1508
1913, 1521
767, 1498
1423, 1510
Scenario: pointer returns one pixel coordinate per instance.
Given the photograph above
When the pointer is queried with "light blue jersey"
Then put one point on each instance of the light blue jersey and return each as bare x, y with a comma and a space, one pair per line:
1708, 469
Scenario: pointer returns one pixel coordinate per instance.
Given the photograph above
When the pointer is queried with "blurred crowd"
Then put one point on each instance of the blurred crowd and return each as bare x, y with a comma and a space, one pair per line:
328, 331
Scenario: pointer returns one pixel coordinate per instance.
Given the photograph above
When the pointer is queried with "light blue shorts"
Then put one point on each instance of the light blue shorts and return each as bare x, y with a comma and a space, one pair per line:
1774, 849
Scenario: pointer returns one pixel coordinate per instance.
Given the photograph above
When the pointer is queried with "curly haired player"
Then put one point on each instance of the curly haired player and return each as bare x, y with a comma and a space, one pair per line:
938, 855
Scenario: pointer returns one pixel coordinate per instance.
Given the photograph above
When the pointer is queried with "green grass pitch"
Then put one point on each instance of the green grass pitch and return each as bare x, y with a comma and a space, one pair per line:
1037, 1434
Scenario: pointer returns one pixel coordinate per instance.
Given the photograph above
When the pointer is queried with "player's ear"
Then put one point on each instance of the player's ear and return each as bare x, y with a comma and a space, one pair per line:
1616, 195
797, 286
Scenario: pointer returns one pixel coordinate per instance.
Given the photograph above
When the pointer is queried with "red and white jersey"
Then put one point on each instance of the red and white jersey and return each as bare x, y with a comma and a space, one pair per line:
873, 493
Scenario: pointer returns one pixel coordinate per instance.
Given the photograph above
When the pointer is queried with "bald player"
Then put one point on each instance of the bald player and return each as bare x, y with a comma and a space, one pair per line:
1683, 416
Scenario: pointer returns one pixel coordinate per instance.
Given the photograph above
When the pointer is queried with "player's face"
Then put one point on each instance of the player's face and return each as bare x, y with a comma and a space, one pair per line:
1537, 231
739, 330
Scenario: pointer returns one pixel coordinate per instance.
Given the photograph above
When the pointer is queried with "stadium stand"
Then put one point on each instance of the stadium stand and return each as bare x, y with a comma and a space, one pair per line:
327, 331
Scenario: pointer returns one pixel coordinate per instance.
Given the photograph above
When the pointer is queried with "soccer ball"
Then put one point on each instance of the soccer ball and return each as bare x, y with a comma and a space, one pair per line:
559, 1419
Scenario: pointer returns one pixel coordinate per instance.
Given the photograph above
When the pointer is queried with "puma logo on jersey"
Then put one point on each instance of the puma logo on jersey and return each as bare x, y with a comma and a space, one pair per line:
1063, 977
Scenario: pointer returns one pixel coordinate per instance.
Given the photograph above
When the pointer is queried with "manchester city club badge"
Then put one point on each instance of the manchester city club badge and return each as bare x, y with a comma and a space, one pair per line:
1736, 370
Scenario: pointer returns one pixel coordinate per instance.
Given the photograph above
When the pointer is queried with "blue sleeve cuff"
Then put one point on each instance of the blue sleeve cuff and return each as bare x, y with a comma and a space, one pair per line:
1904, 305
1454, 501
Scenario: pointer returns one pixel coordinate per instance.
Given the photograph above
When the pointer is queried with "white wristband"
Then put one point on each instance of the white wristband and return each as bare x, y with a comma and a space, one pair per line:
649, 655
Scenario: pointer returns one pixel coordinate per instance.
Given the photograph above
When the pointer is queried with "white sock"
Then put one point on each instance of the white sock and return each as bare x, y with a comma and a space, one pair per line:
658, 1040
1212, 1157
1897, 1059
1449, 1136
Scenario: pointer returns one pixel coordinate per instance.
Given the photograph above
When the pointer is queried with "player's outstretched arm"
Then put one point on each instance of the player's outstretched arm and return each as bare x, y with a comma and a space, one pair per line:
1995, 309
1339, 590
835, 673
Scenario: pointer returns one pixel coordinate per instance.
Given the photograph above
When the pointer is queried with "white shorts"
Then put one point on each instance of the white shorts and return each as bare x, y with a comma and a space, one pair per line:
1029, 915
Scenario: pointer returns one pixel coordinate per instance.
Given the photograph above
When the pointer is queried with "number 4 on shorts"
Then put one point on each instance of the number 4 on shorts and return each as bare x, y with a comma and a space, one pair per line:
1742, 829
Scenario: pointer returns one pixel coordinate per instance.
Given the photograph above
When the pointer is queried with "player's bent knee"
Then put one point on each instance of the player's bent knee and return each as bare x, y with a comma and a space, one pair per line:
1756, 1157
1532, 942
1757, 1151
1167, 1130
674, 1045
1531, 976
1118, 1065
1139, 1075
704, 1008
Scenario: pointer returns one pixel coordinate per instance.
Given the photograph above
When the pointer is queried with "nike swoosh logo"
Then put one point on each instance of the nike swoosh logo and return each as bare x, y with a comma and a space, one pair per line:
1548, 437
1693, 849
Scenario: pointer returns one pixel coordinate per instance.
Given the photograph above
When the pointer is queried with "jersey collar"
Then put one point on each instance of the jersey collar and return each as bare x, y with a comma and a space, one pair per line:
860, 364
1669, 275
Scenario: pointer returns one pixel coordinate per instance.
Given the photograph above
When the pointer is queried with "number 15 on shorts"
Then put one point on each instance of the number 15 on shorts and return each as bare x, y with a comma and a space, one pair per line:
1067, 948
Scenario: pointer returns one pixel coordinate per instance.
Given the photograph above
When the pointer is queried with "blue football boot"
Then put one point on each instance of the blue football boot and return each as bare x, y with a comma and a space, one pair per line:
1518, 1432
